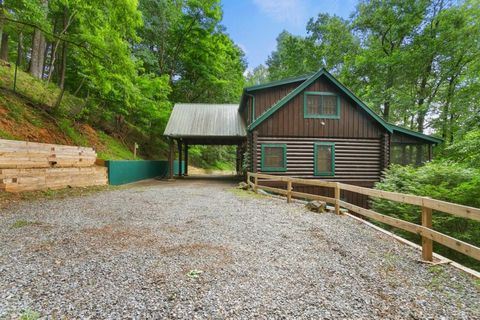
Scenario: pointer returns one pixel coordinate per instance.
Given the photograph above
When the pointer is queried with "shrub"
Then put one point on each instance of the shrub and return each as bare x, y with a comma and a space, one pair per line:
442, 180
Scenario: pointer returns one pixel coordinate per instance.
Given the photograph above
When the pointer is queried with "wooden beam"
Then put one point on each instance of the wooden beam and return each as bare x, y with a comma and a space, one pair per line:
302, 195
458, 245
337, 198
289, 191
394, 196
452, 208
427, 244
271, 189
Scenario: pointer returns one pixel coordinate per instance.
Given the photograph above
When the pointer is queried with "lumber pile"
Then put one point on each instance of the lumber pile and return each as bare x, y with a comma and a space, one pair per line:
28, 166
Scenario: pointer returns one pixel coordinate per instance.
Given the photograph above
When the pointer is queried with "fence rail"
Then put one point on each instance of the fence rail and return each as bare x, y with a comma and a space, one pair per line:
427, 204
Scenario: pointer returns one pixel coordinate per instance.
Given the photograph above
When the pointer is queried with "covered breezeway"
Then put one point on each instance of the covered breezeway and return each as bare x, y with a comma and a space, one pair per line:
204, 124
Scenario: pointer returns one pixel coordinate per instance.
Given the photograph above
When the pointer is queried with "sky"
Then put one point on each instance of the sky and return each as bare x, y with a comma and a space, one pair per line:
255, 24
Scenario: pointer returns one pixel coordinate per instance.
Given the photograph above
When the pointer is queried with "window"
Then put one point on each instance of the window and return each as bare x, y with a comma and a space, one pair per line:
274, 157
321, 105
324, 158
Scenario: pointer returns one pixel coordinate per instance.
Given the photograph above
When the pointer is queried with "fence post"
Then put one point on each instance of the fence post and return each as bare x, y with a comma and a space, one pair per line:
255, 182
427, 244
337, 198
289, 191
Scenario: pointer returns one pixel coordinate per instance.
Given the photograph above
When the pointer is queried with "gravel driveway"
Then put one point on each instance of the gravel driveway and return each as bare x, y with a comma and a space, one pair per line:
201, 250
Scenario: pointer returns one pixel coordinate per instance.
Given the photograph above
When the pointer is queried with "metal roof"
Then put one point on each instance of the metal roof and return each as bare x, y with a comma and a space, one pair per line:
205, 120
416, 134
278, 82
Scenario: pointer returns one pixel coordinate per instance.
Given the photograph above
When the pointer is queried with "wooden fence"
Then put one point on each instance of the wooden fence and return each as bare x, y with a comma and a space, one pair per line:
427, 204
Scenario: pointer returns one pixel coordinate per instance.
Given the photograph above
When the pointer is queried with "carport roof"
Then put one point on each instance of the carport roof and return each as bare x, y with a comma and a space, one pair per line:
199, 121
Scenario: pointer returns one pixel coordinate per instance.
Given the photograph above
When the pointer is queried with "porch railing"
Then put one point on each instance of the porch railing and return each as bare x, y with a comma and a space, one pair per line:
427, 204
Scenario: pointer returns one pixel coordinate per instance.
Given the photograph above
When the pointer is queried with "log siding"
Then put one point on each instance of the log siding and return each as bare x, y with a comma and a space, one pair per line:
356, 160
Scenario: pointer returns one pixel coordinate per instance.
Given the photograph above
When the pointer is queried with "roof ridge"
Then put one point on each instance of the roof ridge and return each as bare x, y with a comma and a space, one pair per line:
278, 82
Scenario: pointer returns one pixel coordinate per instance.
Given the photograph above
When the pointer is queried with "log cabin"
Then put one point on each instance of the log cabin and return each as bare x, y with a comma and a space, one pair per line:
308, 127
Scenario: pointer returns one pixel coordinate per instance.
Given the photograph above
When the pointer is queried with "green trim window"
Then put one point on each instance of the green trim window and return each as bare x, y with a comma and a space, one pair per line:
274, 157
324, 105
324, 159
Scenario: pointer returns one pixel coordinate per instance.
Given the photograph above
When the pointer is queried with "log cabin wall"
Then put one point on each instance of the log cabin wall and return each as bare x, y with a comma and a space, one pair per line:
356, 160
361, 144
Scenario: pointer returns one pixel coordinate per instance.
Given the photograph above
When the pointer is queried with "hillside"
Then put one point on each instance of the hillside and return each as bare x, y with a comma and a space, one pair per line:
27, 114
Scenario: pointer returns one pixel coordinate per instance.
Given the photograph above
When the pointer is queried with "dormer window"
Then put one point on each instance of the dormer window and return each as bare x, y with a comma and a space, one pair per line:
324, 105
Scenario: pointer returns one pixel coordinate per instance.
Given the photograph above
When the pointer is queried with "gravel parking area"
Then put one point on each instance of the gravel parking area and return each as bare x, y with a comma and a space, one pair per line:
199, 249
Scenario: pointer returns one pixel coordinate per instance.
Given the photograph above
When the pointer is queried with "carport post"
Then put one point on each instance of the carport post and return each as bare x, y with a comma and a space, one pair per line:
186, 159
179, 157
170, 159
238, 164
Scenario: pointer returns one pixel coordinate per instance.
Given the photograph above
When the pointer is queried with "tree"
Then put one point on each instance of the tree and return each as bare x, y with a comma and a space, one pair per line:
294, 56
202, 62
257, 76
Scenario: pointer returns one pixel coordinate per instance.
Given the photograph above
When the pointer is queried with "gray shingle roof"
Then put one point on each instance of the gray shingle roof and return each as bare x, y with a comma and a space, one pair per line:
205, 120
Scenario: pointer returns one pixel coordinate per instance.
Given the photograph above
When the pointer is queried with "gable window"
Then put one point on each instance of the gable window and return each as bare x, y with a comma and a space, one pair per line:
324, 158
324, 105
274, 157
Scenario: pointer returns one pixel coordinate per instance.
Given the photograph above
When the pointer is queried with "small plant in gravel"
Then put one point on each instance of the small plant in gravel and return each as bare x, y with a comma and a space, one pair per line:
194, 274
245, 193
390, 262
23, 223
438, 277
29, 315
477, 284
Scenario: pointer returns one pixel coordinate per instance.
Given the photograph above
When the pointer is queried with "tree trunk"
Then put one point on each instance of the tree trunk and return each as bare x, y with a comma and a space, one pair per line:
386, 110
38, 51
37, 55
4, 47
63, 66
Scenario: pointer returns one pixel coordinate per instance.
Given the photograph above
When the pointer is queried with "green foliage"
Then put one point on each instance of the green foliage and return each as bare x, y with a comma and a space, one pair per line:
128, 60
29, 315
202, 62
466, 150
213, 157
294, 56
414, 62
23, 223
114, 149
6, 135
69, 129
442, 180
257, 76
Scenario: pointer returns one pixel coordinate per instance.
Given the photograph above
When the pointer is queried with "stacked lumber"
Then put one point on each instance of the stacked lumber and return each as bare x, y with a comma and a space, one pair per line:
29, 166
22, 154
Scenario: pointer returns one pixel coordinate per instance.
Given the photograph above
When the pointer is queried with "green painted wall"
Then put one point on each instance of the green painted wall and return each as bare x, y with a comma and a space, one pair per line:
126, 171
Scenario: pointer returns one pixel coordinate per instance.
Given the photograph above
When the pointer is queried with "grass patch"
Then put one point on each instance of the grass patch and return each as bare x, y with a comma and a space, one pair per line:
37, 90
14, 111
245, 193
114, 149
29, 315
23, 223
7, 135
438, 277
68, 128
